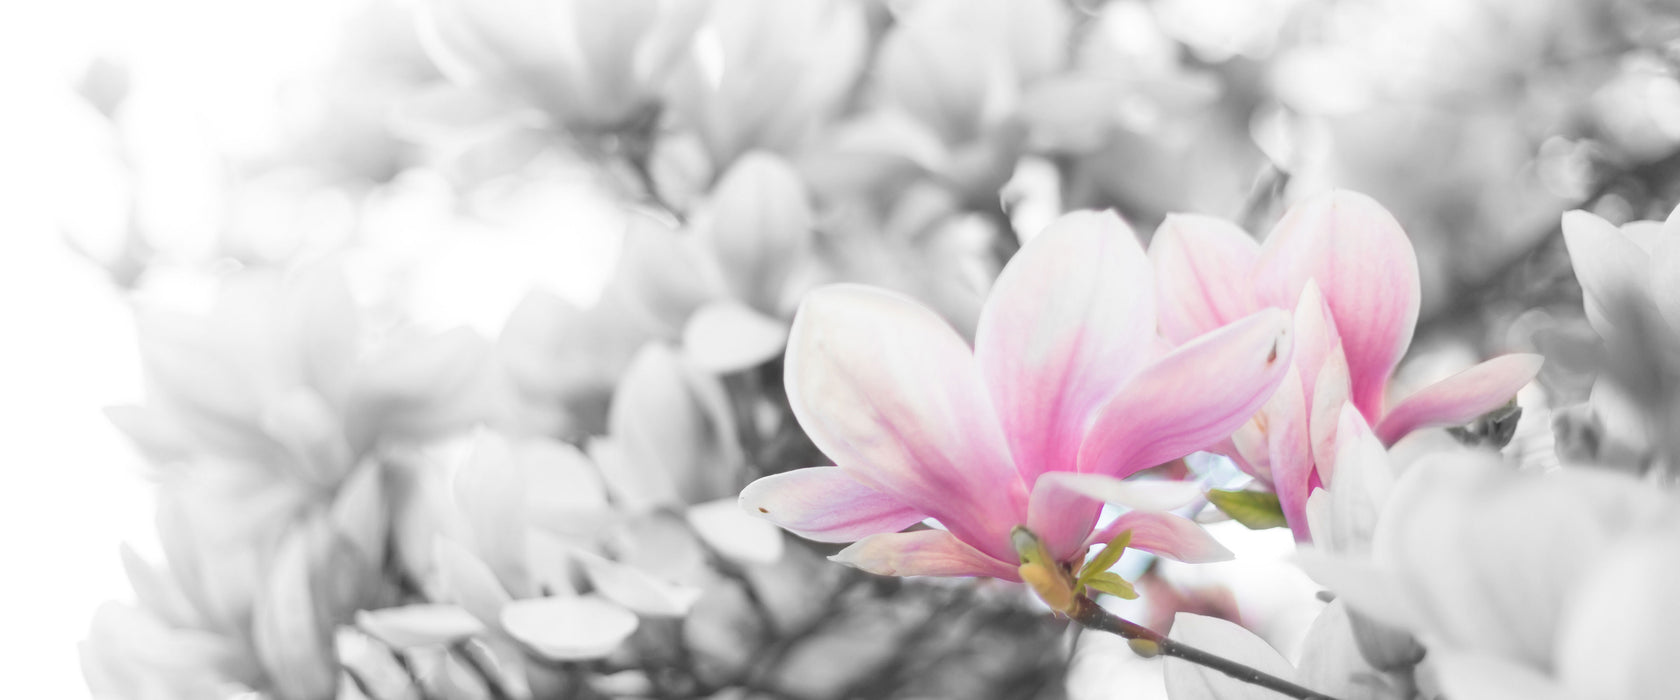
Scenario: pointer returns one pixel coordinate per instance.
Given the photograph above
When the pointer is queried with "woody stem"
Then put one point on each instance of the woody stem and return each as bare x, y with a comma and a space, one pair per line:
1086, 612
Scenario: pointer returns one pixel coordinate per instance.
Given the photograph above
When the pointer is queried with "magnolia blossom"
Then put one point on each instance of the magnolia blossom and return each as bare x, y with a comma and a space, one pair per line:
1631, 293
1570, 604
724, 284
269, 421
1618, 265
1343, 264
1329, 662
585, 64
1065, 392
765, 74
524, 520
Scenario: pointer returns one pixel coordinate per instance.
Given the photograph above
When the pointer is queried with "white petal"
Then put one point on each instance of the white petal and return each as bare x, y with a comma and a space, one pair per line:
1464, 674
1188, 681
735, 534
569, 629
1610, 267
636, 589
1363, 480
1616, 638
759, 224
726, 336
419, 625
468, 581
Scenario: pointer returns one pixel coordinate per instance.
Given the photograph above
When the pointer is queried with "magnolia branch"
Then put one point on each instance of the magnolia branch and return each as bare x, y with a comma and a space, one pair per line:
1148, 642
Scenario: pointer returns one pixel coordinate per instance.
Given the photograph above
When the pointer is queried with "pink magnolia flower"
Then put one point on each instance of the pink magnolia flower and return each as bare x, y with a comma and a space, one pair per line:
1344, 265
1065, 392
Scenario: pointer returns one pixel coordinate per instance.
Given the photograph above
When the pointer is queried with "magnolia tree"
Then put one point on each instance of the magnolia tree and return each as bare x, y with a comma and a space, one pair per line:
934, 343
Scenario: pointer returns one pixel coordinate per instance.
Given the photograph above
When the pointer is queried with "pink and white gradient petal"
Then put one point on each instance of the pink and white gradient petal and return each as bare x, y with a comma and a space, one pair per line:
827, 505
893, 395
1065, 505
1066, 326
1367, 269
1460, 398
1192, 398
923, 553
1168, 535
1204, 268
1289, 449
1333, 389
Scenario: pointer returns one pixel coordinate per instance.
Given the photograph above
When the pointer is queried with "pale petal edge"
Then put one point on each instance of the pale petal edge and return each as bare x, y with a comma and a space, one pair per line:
1460, 398
826, 504
1166, 534
922, 553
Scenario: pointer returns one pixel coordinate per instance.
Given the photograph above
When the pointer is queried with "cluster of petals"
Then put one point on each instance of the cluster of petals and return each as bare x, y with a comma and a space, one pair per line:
1066, 391
1631, 295
1509, 605
1342, 263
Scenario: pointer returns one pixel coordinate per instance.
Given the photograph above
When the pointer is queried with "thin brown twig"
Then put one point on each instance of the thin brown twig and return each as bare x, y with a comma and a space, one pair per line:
1086, 612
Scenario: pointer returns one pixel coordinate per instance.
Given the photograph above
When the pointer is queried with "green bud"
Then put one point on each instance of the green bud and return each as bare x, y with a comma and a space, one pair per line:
1258, 510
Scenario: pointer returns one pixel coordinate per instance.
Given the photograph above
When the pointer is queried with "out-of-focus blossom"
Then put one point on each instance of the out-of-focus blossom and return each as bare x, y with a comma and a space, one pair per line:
1137, 124
1513, 605
1165, 599
951, 78
765, 74
1347, 269
584, 64
530, 560
267, 421
916, 239
1329, 664
284, 373
1126, 75
1065, 393
562, 361
633, 518
1633, 264
723, 284
1631, 294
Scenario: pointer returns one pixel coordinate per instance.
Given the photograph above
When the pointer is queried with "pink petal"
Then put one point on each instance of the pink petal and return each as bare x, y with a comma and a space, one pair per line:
1368, 271
922, 553
1065, 505
1332, 389
894, 396
1609, 265
1165, 534
1136, 494
1460, 398
1247, 448
1315, 335
1289, 451
826, 504
1204, 269
1192, 398
1061, 332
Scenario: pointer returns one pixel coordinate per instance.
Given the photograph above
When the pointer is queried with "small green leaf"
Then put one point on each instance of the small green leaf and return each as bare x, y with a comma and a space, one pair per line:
1107, 557
1258, 510
1111, 583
